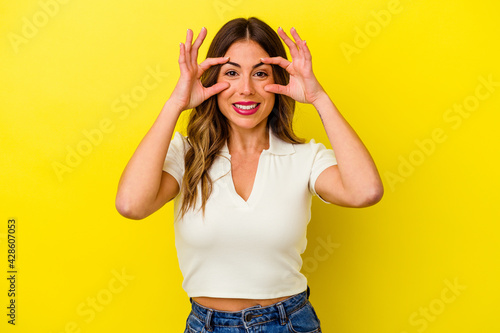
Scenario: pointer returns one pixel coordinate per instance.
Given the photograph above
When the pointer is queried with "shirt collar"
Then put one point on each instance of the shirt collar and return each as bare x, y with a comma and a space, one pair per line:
276, 146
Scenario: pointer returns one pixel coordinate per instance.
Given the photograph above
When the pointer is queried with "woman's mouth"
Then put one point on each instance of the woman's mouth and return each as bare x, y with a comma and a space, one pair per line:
246, 110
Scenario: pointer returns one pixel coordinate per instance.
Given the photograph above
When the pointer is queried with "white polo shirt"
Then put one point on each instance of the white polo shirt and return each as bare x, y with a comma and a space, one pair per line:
249, 249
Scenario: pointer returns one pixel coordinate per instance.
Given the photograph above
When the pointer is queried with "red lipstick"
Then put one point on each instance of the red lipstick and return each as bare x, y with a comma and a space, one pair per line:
246, 103
246, 112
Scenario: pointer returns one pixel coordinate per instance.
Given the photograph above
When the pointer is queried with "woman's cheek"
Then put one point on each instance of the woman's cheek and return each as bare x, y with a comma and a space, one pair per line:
267, 82
226, 93
224, 80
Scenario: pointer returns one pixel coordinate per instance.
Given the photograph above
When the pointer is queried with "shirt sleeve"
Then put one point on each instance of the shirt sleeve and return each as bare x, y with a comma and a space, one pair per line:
174, 161
323, 159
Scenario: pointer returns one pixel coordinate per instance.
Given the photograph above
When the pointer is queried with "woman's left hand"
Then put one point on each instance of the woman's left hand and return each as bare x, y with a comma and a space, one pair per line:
303, 86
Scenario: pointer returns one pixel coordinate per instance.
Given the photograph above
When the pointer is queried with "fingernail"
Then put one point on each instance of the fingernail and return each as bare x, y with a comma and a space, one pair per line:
279, 28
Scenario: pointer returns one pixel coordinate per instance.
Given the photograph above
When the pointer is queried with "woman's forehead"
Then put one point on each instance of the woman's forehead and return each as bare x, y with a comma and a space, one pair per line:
246, 50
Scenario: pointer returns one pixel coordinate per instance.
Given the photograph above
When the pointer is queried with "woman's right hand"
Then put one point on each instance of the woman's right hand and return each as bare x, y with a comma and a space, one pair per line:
189, 91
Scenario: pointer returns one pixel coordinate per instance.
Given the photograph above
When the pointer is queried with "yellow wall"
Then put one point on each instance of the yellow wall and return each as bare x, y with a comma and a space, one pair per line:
410, 76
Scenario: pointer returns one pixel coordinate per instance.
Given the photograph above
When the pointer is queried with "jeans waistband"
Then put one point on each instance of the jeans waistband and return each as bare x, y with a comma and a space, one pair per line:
252, 315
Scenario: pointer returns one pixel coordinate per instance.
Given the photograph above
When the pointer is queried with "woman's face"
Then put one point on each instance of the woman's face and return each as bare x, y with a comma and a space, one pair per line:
245, 104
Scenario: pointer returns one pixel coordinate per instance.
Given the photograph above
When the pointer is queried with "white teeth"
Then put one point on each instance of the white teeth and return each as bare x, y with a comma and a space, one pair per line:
246, 107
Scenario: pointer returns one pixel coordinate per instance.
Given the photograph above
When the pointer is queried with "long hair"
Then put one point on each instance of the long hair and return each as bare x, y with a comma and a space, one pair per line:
208, 129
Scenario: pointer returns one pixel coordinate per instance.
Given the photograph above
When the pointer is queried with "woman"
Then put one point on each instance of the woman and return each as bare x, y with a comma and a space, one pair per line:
242, 179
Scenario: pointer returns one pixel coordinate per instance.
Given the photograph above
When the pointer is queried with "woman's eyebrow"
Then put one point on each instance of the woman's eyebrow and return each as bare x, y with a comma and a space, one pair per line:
238, 65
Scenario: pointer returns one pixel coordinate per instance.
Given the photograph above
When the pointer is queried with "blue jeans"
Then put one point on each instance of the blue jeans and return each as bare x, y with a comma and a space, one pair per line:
292, 315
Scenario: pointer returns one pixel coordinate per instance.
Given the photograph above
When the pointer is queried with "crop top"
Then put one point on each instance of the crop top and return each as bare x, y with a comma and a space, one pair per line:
249, 249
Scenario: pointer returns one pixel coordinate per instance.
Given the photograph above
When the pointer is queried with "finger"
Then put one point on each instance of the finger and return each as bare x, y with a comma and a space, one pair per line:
277, 89
200, 38
307, 52
280, 61
207, 63
182, 59
291, 45
295, 35
298, 41
197, 43
216, 88
189, 40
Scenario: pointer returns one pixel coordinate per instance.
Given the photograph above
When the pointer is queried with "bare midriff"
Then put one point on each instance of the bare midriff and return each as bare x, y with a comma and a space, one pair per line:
235, 304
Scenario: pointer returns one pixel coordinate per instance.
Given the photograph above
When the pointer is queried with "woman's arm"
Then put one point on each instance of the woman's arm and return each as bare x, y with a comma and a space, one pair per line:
144, 187
354, 181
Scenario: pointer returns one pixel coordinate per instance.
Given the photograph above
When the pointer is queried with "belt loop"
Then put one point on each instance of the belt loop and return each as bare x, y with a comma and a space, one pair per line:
208, 319
282, 312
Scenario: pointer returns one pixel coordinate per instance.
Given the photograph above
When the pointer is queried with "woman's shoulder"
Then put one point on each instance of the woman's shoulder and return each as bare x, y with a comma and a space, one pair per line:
309, 146
179, 141
315, 153
284, 146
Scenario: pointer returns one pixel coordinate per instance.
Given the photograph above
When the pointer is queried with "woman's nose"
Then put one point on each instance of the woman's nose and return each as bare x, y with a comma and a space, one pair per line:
246, 87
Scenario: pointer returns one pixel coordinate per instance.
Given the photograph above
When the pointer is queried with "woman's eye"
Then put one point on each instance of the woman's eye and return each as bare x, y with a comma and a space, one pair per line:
234, 73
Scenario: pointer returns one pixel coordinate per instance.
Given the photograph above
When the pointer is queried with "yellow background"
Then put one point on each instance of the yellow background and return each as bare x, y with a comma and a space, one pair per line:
385, 266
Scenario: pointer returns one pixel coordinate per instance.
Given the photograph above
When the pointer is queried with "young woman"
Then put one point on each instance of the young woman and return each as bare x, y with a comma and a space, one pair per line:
242, 180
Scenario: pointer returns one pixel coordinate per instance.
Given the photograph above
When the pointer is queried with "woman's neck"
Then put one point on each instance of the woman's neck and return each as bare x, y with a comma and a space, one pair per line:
246, 141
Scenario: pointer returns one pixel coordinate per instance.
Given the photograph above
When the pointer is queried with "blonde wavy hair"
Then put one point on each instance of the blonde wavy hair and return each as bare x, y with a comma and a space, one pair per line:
208, 130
